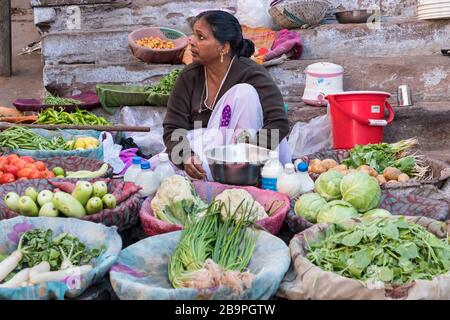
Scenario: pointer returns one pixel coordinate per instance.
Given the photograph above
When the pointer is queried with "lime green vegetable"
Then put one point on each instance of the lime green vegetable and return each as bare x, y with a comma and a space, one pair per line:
82, 192
85, 174
109, 201
12, 201
309, 205
68, 205
32, 193
28, 207
336, 211
48, 210
361, 190
328, 185
94, 205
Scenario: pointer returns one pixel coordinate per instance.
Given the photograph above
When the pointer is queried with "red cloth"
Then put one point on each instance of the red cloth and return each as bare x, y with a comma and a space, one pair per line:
286, 42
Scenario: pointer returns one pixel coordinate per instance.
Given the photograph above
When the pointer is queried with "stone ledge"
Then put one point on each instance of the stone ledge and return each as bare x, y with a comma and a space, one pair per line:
61, 3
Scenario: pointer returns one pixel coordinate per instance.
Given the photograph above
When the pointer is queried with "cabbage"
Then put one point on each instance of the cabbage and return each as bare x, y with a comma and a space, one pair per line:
361, 190
376, 213
337, 211
328, 185
309, 205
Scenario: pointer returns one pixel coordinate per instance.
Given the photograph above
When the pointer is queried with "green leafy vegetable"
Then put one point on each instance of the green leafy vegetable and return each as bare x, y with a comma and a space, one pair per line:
391, 250
165, 85
328, 185
361, 190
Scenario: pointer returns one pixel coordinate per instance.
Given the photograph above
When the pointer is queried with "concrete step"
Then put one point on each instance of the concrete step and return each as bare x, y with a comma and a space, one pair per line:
426, 75
428, 121
410, 38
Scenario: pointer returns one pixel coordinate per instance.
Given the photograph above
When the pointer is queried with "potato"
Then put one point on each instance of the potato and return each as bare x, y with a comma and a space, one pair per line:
340, 167
315, 162
330, 163
317, 168
391, 173
403, 177
364, 168
381, 179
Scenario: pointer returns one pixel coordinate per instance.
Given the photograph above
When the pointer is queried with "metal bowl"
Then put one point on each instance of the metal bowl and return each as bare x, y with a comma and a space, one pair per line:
354, 16
237, 164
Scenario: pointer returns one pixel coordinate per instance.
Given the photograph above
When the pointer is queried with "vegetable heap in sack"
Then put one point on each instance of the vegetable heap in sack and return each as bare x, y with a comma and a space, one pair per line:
213, 253
176, 201
339, 199
40, 258
70, 200
389, 250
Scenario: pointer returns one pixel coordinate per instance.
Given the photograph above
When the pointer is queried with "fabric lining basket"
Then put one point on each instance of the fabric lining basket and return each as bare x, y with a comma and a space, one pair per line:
114, 96
158, 55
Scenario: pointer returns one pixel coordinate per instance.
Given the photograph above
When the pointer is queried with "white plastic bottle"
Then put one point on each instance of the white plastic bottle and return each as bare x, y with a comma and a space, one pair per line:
307, 184
289, 182
164, 169
133, 170
147, 180
271, 171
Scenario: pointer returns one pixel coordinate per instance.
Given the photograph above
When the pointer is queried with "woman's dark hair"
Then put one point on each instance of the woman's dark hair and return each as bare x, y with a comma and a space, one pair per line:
226, 28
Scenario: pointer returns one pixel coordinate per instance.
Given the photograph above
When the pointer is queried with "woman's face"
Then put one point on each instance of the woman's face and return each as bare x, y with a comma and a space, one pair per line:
204, 47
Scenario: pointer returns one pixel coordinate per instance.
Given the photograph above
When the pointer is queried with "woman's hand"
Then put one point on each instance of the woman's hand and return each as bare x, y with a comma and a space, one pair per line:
193, 167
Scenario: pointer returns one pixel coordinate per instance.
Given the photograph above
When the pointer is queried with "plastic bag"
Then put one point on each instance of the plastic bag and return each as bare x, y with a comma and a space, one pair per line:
111, 152
311, 137
254, 13
151, 143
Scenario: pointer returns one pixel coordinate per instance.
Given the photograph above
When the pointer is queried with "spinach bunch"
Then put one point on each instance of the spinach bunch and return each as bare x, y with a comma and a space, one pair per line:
389, 250
39, 245
166, 84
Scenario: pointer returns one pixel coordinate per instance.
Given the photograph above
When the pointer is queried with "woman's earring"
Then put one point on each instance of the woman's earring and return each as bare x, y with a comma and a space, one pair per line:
221, 57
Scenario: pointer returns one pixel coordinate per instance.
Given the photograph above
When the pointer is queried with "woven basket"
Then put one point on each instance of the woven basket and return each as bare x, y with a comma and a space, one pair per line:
293, 14
158, 55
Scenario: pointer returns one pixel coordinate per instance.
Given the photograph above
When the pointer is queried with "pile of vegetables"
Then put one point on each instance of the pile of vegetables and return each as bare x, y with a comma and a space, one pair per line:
177, 202
386, 162
389, 250
68, 199
13, 167
213, 252
51, 100
40, 258
18, 137
339, 198
166, 84
79, 117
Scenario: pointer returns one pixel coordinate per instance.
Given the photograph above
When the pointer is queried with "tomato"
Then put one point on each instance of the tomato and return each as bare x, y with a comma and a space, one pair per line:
7, 178
19, 164
24, 173
12, 157
31, 166
48, 175
3, 160
35, 174
2, 166
40, 166
11, 169
27, 159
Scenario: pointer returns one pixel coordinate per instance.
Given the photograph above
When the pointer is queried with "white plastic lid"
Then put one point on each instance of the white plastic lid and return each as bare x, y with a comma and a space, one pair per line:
324, 67
273, 154
163, 157
289, 168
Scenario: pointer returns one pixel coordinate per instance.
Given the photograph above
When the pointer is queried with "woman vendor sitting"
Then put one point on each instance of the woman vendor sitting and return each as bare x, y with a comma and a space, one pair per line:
222, 91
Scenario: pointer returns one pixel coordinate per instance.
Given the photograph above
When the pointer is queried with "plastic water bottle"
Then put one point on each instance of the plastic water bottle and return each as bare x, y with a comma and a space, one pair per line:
289, 182
147, 180
271, 171
133, 170
307, 184
164, 169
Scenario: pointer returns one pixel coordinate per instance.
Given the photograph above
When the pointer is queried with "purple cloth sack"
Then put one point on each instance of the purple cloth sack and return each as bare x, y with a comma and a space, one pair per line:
127, 157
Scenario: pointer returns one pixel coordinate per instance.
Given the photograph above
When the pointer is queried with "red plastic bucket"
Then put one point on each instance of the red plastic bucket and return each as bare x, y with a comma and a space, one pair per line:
358, 117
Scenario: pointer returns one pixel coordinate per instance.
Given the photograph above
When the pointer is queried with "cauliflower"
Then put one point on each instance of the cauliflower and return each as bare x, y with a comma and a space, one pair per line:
176, 200
232, 198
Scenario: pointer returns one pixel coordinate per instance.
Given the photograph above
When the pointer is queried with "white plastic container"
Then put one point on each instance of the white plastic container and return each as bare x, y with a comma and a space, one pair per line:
322, 78
271, 171
132, 172
164, 169
289, 182
147, 180
306, 183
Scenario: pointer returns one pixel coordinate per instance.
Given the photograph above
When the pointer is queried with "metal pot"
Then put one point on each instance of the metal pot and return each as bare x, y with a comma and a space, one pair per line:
237, 164
354, 16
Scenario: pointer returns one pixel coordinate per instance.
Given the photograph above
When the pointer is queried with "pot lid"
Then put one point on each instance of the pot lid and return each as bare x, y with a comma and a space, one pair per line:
324, 67
358, 92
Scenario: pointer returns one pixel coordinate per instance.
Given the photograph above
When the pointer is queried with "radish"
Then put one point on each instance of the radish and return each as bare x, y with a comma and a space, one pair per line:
59, 275
67, 263
44, 266
9, 264
17, 280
